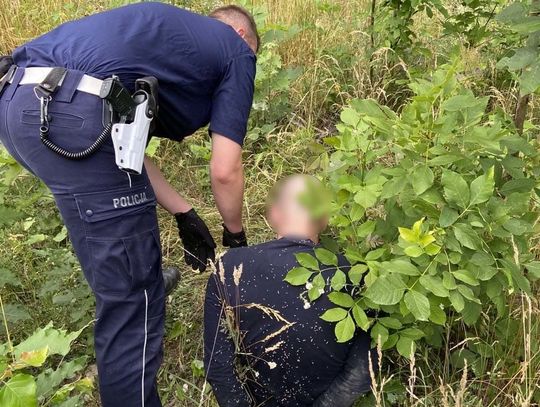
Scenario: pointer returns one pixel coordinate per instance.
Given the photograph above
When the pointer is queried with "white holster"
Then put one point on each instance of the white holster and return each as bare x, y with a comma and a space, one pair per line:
130, 139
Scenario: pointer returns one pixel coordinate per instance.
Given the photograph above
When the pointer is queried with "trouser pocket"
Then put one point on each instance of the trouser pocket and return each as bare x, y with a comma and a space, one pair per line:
122, 238
127, 264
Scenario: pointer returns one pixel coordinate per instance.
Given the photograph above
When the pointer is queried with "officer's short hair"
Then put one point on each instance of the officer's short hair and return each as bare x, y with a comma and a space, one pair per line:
233, 11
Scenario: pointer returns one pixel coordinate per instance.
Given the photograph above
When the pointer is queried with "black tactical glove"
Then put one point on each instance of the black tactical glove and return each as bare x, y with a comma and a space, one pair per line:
354, 380
233, 240
199, 246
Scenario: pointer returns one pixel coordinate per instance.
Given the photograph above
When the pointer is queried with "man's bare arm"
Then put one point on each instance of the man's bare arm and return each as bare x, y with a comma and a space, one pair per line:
227, 178
166, 195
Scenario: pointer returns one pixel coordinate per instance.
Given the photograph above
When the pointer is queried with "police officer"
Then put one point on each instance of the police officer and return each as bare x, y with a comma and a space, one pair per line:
206, 68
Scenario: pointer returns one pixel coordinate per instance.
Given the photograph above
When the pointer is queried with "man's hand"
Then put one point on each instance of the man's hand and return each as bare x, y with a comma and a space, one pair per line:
233, 240
355, 378
199, 246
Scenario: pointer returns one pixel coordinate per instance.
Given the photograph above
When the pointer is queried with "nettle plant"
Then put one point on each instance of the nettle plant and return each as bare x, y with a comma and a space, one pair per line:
433, 207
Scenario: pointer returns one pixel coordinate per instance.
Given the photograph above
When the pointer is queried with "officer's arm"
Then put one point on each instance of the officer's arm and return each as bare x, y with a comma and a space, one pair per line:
219, 350
166, 195
227, 178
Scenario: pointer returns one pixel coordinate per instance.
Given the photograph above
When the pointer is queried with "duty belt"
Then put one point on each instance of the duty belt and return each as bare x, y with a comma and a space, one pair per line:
131, 116
34, 76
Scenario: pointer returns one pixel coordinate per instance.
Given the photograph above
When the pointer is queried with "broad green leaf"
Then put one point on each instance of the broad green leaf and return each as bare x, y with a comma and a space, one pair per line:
434, 285
307, 260
468, 293
422, 179
456, 189
368, 195
360, 317
16, 312
341, 299
533, 269
7, 277
444, 159
406, 346
338, 281
432, 249
418, 304
391, 323
401, 267
379, 331
460, 102
409, 235
517, 276
466, 276
518, 185
318, 281
350, 116
449, 282
482, 188
375, 254
482, 259
513, 14
386, 290
357, 212
344, 329
326, 257
19, 391
517, 227
365, 228
35, 358
483, 273
298, 276
58, 341
457, 301
471, 313
314, 293
356, 272
522, 58
467, 236
391, 342
413, 333
437, 315
426, 240
334, 315
51, 379
414, 251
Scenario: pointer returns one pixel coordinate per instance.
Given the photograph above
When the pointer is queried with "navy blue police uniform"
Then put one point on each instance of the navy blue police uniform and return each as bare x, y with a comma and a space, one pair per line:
206, 74
292, 360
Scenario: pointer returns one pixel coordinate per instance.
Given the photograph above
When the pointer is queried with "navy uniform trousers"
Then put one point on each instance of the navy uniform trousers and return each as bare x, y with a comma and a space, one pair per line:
113, 229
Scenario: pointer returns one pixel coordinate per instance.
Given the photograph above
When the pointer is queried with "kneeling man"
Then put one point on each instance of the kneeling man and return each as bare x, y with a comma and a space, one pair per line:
265, 344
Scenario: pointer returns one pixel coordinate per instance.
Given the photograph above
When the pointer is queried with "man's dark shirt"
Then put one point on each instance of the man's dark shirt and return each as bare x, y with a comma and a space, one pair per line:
290, 368
205, 69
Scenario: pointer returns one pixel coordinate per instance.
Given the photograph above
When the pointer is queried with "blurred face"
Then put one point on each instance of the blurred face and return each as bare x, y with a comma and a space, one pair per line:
290, 215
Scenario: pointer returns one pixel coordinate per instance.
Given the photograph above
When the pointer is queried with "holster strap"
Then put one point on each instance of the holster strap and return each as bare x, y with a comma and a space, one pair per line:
51, 83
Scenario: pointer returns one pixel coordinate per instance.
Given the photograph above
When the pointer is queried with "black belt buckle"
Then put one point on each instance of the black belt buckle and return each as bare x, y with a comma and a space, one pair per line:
118, 97
8, 76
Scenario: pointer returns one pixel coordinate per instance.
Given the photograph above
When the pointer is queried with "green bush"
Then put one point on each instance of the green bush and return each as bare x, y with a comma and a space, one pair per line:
434, 208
